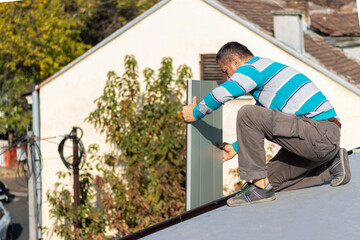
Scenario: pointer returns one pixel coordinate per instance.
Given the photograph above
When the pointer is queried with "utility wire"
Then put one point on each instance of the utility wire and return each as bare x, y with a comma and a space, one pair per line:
56, 143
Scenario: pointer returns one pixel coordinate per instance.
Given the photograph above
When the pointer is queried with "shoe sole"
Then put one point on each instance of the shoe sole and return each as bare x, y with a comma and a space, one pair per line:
252, 202
344, 159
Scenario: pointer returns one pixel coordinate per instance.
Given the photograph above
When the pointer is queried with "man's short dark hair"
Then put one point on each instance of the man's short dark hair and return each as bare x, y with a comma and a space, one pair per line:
233, 48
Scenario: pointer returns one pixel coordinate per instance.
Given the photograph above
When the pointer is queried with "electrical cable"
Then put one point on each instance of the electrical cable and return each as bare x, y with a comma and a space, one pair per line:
20, 142
77, 163
80, 148
24, 173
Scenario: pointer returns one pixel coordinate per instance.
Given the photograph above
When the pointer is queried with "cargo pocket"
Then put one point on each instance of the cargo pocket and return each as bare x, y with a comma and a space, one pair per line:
286, 125
325, 142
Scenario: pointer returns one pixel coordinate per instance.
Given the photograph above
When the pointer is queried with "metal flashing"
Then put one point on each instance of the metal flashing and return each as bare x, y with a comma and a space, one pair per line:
179, 218
203, 158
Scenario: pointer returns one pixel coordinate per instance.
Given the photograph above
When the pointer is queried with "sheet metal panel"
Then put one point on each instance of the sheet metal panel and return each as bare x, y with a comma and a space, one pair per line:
204, 165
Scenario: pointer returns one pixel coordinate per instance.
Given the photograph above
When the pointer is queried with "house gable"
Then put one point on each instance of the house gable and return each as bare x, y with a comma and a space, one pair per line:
183, 30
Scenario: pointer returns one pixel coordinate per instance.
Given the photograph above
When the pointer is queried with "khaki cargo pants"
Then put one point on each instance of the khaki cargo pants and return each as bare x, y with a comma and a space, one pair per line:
307, 147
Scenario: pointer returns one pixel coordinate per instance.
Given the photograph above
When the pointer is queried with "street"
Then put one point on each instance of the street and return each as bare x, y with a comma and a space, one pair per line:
18, 204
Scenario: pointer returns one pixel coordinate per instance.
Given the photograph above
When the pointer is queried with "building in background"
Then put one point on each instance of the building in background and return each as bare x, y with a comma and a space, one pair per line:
191, 32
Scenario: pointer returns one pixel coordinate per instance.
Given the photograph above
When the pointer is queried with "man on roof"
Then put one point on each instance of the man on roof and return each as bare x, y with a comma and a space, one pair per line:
289, 111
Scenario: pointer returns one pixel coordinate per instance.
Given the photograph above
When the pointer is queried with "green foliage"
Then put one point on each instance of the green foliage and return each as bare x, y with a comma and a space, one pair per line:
40, 37
15, 112
37, 39
109, 15
61, 201
141, 182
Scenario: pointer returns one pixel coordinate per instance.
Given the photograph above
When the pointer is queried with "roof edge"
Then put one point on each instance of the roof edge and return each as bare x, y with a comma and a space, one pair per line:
284, 47
105, 41
207, 207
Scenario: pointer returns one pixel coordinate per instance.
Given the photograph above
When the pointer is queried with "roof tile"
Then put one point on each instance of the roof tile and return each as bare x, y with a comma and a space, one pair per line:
336, 24
330, 57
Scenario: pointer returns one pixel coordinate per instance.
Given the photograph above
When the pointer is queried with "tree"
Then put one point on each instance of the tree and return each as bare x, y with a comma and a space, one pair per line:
109, 15
40, 37
142, 181
37, 39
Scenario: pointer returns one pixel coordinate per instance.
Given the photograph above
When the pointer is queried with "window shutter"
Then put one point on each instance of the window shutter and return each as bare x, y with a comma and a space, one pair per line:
210, 70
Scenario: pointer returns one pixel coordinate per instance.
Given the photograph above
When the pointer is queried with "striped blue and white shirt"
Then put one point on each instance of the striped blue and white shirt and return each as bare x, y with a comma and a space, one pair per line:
273, 85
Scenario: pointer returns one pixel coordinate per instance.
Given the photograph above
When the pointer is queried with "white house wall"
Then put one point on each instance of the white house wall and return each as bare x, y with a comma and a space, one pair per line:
181, 29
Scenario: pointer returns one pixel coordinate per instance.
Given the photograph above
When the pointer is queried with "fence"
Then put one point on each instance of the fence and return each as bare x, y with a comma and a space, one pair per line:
11, 157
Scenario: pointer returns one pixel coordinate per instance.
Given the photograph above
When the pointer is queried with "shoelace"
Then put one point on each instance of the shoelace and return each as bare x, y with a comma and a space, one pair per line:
245, 189
334, 165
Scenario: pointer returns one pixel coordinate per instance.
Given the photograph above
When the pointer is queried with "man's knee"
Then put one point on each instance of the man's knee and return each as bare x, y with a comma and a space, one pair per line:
245, 112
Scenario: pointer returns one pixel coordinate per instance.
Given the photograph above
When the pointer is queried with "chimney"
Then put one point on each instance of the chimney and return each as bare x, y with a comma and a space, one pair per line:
288, 28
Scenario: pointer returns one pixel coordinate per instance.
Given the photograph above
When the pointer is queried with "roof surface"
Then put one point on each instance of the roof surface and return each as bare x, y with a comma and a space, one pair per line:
326, 55
332, 58
258, 12
336, 24
321, 212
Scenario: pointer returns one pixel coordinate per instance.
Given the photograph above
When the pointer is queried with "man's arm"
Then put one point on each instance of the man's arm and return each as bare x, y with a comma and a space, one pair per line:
238, 85
187, 111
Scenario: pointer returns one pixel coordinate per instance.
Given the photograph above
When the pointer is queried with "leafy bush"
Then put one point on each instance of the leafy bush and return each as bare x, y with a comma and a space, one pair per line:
141, 182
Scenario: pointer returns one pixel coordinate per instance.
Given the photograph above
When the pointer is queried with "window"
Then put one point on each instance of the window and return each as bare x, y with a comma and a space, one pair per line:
210, 70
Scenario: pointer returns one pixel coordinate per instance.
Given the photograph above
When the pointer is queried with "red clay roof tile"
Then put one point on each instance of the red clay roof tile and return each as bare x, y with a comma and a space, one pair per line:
325, 54
336, 24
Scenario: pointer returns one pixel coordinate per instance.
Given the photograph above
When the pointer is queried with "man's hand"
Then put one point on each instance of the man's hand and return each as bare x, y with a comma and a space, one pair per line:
228, 151
187, 111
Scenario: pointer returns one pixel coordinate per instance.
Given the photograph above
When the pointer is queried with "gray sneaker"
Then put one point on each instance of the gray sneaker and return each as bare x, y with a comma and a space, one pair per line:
249, 194
340, 169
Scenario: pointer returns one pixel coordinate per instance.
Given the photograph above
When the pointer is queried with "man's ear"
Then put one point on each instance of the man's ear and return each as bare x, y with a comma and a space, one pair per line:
237, 62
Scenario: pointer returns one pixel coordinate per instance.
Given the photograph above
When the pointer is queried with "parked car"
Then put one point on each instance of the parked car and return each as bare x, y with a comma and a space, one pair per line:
4, 192
6, 230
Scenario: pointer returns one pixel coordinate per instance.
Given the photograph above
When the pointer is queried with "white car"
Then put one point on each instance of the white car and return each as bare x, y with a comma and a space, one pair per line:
6, 231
